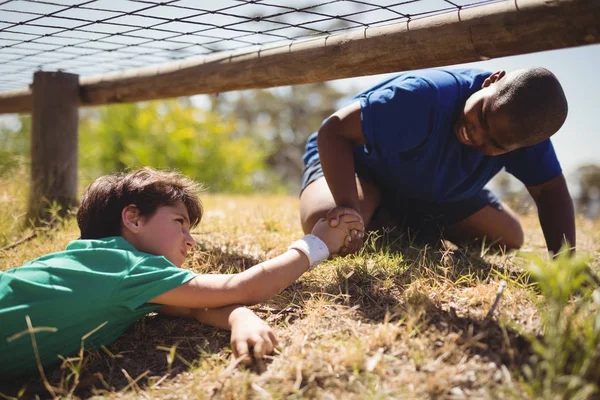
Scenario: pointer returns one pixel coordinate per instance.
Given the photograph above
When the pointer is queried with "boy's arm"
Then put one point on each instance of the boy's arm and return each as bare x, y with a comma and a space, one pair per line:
556, 213
248, 331
251, 286
217, 317
258, 283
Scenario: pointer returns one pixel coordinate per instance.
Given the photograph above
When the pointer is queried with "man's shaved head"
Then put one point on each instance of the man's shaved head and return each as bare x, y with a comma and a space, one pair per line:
535, 103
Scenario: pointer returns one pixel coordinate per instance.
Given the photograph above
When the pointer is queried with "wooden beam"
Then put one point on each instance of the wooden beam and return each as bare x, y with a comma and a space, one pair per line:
15, 101
54, 143
472, 34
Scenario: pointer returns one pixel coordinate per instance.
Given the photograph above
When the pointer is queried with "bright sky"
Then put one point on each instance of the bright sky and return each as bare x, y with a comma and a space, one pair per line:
578, 141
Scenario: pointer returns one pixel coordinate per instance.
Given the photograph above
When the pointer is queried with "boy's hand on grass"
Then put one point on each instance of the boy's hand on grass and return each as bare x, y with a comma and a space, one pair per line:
338, 238
251, 337
355, 239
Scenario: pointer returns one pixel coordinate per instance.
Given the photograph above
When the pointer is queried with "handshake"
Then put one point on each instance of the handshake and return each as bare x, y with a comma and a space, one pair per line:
343, 231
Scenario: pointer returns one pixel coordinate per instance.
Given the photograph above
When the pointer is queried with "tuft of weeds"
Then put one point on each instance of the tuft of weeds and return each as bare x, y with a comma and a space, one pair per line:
565, 364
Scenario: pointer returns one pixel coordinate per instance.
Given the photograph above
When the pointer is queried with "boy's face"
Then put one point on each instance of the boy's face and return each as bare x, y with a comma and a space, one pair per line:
165, 233
482, 125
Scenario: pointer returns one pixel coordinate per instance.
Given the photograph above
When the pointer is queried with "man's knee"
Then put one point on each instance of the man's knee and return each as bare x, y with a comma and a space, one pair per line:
513, 237
315, 201
499, 227
310, 219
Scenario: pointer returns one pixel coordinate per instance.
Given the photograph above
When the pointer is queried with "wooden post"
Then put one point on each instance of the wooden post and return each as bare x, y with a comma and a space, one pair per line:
54, 143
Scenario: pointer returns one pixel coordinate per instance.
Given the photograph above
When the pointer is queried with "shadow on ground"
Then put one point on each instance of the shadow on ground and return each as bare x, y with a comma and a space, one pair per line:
142, 356
138, 359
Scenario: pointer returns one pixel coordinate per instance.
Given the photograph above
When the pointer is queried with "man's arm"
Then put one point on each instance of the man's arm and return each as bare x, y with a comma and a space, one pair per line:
556, 213
336, 139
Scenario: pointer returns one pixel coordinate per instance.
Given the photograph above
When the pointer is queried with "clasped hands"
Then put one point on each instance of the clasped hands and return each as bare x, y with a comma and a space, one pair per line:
355, 232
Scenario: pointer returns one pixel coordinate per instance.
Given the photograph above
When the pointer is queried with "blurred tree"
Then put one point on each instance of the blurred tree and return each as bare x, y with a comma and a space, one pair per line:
172, 134
503, 184
14, 143
588, 201
512, 192
284, 118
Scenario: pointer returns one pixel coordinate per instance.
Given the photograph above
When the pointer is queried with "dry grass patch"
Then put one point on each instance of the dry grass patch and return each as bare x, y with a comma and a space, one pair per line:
397, 321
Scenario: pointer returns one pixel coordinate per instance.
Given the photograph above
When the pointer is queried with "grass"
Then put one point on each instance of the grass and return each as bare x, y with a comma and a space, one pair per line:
397, 321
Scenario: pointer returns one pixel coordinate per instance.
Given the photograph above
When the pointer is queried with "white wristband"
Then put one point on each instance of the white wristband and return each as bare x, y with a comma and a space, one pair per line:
313, 247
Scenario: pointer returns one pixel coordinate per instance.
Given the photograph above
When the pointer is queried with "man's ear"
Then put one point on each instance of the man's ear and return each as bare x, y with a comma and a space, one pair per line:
493, 78
130, 218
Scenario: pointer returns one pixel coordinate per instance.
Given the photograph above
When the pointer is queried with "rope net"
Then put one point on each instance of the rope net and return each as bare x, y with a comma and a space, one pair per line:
101, 36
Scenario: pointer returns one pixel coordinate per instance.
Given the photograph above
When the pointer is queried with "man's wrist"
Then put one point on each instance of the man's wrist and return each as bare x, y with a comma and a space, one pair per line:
354, 205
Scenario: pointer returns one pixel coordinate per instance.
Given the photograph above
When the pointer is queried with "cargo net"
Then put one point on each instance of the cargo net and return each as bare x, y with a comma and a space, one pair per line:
101, 36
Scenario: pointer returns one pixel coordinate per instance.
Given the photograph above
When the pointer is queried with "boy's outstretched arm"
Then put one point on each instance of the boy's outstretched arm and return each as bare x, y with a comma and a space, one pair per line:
260, 282
249, 333
556, 213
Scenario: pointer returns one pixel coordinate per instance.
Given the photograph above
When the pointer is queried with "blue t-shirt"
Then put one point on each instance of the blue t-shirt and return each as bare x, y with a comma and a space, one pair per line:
412, 150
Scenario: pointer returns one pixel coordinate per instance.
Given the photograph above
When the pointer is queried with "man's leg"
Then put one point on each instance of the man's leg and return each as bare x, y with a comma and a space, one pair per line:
316, 200
499, 224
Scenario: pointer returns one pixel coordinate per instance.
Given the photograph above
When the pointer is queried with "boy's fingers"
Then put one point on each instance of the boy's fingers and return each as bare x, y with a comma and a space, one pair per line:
335, 214
347, 242
259, 348
268, 344
353, 246
343, 251
356, 245
357, 237
350, 218
355, 225
273, 338
346, 212
241, 350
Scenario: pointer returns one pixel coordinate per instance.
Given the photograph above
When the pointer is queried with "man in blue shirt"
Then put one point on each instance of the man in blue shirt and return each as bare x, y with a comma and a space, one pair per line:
423, 144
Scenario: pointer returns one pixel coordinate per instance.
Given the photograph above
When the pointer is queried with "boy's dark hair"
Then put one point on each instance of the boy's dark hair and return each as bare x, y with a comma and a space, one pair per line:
536, 103
104, 199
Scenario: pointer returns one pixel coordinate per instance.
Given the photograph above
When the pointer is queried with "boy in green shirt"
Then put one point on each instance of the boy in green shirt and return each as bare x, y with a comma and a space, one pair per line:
135, 234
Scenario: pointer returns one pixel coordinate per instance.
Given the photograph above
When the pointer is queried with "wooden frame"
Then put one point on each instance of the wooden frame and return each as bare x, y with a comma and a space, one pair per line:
474, 34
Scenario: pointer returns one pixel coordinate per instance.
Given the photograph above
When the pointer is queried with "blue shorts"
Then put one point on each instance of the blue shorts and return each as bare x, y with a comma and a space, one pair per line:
427, 217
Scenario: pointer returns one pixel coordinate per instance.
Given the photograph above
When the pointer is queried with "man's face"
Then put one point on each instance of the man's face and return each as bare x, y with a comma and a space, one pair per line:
482, 124
166, 233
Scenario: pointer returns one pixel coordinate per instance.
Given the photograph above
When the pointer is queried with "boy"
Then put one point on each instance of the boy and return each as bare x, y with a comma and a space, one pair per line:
135, 233
423, 144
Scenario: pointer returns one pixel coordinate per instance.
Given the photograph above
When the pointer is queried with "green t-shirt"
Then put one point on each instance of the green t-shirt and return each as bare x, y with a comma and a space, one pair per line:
75, 291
